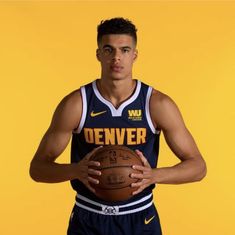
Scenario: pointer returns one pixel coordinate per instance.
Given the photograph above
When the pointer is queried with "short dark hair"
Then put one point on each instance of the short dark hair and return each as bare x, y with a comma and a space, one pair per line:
116, 25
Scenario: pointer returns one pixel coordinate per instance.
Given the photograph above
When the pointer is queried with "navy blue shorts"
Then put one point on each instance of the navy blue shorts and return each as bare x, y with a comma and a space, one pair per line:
85, 222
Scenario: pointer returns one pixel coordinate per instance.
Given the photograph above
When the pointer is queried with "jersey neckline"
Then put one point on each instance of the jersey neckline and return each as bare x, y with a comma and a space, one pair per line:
117, 112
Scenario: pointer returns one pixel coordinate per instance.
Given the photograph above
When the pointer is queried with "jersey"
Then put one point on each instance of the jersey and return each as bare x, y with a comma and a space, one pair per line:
102, 124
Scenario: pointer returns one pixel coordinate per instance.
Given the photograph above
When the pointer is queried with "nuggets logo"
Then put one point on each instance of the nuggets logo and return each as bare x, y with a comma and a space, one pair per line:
135, 114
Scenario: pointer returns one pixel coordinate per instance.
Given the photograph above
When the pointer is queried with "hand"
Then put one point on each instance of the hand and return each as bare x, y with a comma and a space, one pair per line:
85, 170
146, 177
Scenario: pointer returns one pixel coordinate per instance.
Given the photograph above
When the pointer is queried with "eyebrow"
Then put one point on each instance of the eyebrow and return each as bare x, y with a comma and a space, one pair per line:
124, 47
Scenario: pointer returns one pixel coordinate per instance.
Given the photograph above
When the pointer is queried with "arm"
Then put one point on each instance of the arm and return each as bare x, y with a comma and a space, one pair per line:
43, 167
166, 116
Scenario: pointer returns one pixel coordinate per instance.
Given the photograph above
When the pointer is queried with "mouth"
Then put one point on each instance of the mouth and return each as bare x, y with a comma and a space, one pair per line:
116, 68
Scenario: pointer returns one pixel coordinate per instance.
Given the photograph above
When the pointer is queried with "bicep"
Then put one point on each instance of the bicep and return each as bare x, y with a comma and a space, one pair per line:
52, 145
178, 137
65, 119
181, 143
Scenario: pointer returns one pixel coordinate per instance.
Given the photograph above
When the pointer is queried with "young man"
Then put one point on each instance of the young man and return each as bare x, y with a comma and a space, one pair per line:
116, 109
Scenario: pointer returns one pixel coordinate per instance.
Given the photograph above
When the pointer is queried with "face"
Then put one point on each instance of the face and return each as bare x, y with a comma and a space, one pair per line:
116, 53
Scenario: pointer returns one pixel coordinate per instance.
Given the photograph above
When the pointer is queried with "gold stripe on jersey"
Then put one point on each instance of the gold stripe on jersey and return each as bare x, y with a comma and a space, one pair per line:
106, 136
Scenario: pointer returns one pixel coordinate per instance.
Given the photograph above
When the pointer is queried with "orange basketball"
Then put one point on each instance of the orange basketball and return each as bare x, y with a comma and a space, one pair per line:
116, 163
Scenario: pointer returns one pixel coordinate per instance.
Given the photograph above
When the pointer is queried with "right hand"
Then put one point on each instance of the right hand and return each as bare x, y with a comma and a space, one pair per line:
85, 170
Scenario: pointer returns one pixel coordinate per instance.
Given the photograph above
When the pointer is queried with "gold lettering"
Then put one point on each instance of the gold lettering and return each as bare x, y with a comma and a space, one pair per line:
135, 113
99, 133
89, 137
120, 133
141, 136
101, 136
109, 136
131, 134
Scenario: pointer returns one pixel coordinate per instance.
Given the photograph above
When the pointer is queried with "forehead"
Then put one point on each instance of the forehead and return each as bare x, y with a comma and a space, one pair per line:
117, 40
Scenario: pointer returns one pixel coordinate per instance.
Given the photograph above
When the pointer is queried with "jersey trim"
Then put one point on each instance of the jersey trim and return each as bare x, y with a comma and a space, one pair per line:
84, 110
99, 208
116, 112
147, 104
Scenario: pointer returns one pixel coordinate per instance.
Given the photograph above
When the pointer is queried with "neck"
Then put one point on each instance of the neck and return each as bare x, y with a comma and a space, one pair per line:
116, 91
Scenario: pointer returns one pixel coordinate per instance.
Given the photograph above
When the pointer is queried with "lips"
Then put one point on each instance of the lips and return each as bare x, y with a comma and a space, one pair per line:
116, 68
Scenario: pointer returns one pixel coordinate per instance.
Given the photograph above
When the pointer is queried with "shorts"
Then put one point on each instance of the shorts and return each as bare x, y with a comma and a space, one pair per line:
85, 222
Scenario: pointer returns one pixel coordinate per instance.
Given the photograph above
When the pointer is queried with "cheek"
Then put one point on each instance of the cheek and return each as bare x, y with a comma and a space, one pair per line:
130, 62
105, 63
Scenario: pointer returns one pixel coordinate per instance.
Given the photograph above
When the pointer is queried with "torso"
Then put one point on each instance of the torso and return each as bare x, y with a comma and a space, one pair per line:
103, 124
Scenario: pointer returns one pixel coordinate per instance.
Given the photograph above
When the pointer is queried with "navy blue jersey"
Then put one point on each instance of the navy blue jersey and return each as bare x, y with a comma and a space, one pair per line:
102, 124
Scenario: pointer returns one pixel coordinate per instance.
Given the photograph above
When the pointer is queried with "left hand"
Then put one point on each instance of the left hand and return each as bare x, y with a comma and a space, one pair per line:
146, 177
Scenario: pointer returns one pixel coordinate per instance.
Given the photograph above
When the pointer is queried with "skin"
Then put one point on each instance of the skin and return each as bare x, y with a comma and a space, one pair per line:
116, 54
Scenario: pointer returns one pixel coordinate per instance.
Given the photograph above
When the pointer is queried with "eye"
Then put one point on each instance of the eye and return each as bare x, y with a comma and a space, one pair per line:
125, 50
108, 50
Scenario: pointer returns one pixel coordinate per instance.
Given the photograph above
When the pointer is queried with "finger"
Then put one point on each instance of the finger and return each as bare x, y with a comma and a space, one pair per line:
138, 191
143, 158
137, 176
92, 180
93, 163
139, 168
94, 172
138, 184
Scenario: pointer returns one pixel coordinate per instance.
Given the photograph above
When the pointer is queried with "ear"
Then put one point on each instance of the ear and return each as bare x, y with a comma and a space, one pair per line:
135, 55
98, 54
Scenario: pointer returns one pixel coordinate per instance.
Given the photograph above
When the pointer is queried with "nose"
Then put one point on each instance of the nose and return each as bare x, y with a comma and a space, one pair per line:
116, 55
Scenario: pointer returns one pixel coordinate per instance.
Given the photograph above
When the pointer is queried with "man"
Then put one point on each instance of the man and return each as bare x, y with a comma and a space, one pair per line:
116, 109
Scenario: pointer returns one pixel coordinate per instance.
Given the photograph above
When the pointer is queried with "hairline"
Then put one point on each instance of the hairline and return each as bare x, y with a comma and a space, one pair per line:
128, 34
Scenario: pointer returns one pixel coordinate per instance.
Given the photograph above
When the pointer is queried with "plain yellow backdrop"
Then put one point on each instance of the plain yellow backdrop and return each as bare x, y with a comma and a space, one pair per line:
186, 49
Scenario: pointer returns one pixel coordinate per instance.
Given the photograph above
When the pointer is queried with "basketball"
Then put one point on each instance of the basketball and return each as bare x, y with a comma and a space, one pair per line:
116, 163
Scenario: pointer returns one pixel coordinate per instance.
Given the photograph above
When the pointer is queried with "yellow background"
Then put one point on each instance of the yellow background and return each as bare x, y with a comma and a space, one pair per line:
186, 49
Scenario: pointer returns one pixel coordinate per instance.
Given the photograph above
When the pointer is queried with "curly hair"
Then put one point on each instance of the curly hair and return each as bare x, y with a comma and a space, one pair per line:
116, 25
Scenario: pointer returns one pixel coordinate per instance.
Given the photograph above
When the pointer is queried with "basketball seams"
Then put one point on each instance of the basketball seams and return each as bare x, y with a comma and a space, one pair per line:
108, 167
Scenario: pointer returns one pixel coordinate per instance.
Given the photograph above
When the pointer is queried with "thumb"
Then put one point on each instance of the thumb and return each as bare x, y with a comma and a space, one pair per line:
142, 157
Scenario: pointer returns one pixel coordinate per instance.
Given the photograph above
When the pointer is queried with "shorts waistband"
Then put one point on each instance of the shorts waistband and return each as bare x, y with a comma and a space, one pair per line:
103, 209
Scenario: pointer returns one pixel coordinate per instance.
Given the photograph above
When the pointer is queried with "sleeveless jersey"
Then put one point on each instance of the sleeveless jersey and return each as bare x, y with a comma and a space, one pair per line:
102, 124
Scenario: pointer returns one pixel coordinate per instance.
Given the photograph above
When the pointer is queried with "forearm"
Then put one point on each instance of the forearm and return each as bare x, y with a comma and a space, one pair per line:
51, 172
185, 172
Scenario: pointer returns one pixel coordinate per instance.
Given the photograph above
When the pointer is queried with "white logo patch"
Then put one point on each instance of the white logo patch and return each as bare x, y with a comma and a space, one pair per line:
110, 210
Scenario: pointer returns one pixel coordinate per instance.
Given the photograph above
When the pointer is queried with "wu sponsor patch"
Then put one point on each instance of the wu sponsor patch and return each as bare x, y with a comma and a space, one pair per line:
135, 114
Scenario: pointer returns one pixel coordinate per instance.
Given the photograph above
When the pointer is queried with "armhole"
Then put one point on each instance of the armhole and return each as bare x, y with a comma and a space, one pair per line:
147, 110
84, 110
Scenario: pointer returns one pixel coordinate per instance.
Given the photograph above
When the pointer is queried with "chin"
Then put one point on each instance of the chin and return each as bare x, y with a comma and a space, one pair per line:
119, 76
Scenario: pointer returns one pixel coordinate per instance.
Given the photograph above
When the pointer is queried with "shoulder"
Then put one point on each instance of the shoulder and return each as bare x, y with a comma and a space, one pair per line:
160, 100
68, 111
163, 109
72, 99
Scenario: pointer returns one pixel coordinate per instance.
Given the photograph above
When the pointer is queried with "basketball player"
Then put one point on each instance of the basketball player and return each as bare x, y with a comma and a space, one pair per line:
116, 109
